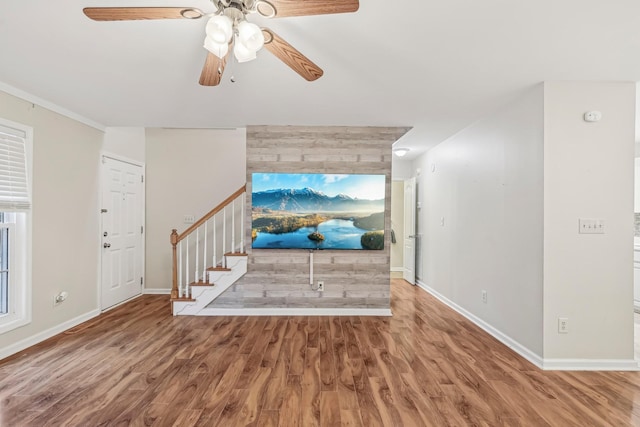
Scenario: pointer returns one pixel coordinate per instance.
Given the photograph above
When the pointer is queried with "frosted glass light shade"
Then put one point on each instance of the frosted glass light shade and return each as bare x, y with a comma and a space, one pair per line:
219, 29
400, 152
250, 35
218, 49
242, 53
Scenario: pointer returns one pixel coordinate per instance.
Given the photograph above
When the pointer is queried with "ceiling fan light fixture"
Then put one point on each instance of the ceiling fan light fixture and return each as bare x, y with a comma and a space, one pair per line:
250, 35
219, 29
242, 53
218, 49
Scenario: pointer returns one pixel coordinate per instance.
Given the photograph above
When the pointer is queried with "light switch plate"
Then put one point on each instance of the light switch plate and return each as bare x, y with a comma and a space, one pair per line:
590, 226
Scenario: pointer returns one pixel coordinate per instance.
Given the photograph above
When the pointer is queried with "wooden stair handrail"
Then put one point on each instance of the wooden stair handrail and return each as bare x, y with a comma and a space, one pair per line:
211, 213
175, 237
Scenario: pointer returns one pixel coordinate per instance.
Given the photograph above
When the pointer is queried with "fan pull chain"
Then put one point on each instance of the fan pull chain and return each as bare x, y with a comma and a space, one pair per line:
233, 62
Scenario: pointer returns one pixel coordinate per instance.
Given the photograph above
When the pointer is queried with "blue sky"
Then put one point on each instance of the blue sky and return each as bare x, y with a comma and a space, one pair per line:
369, 187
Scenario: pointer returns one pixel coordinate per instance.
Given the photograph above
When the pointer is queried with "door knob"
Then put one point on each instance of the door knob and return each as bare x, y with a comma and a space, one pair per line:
106, 245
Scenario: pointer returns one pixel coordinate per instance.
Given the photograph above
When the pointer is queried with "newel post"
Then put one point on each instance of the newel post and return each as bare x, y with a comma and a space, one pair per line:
174, 243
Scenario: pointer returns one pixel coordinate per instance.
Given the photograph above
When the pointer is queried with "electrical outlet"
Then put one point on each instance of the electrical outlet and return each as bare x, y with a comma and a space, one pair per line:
60, 298
563, 325
484, 296
320, 286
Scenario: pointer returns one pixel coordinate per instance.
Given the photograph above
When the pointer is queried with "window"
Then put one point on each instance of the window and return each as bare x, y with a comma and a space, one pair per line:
15, 221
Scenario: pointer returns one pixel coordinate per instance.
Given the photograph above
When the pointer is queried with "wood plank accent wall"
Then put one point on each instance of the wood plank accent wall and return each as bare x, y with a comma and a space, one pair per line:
280, 278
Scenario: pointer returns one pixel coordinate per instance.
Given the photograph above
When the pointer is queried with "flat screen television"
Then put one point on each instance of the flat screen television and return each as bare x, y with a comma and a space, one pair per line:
317, 211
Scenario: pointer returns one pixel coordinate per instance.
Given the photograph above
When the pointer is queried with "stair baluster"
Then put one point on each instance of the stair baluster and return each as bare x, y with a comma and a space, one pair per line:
196, 274
182, 255
214, 262
180, 294
242, 202
186, 270
204, 255
224, 236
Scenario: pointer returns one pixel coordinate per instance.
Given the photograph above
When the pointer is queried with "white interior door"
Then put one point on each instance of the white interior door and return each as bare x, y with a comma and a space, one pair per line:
122, 231
409, 254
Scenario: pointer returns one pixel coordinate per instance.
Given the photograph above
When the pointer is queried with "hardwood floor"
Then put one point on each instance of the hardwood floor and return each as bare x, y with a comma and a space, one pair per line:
425, 366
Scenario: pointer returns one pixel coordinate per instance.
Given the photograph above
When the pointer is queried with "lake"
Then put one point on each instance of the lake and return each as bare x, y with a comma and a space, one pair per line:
338, 234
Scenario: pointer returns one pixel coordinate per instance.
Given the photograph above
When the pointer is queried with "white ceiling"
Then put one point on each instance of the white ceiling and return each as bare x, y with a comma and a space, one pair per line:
436, 65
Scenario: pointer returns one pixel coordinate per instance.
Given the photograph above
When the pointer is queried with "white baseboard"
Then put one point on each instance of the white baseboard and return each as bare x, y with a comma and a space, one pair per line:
400, 269
591, 365
504, 339
39, 337
156, 291
295, 312
545, 364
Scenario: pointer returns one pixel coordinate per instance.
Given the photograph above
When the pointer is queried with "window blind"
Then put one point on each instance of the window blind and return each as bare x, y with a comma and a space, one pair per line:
14, 188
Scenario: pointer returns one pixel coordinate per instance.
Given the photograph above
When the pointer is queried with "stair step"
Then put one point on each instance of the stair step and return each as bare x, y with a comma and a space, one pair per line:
200, 284
203, 293
183, 299
218, 269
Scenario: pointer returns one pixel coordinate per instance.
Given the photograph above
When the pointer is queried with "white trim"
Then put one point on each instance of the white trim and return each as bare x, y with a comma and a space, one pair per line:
21, 312
294, 312
545, 364
156, 291
39, 337
591, 364
504, 339
397, 269
143, 195
50, 106
121, 159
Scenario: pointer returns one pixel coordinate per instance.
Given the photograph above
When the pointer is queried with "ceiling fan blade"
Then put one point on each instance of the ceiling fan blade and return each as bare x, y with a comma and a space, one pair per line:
212, 70
284, 8
135, 13
291, 56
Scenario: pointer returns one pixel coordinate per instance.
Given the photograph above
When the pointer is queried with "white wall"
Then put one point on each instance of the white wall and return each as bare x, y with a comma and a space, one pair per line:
127, 142
486, 184
588, 174
65, 219
189, 172
401, 168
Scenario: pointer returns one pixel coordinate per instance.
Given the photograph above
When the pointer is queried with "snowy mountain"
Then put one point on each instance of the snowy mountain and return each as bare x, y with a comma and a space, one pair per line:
310, 200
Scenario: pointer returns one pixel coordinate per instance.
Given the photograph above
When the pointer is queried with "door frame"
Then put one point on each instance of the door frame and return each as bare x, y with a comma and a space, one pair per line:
414, 198
119, 158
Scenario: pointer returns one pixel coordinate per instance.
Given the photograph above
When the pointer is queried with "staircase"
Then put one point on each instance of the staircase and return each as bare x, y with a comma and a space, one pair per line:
209, 256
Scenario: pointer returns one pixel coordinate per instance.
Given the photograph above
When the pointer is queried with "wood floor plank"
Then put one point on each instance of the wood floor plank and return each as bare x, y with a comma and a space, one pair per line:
312, 329
327, 365
252, 403
329, 409
268, 419
350, 418
274, 389
137, 365
291, 397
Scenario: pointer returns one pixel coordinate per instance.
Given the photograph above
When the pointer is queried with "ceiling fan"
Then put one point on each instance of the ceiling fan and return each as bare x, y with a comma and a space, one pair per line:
228, 29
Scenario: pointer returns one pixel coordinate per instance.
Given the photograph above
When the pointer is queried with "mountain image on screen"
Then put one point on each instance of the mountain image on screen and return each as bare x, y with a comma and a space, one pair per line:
310, 200
330, 212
